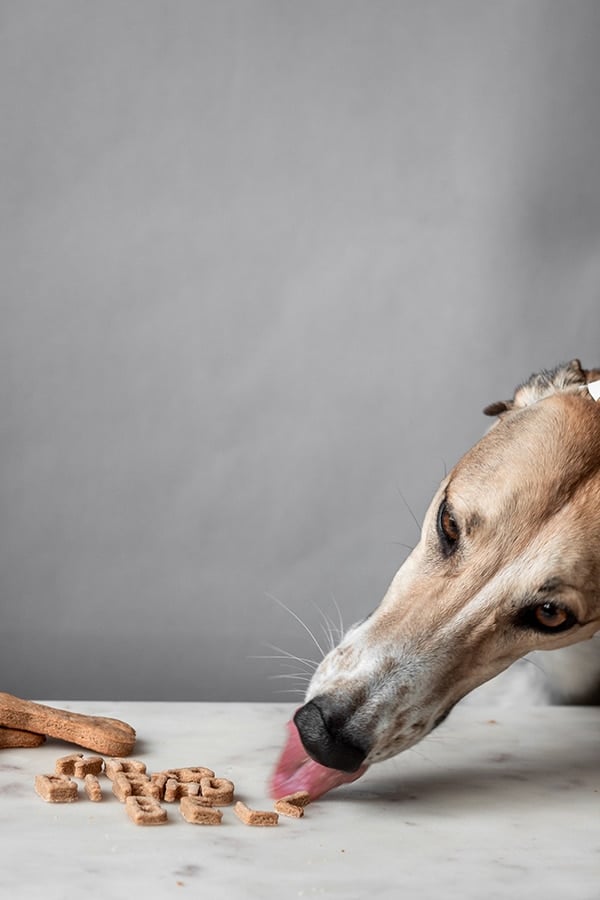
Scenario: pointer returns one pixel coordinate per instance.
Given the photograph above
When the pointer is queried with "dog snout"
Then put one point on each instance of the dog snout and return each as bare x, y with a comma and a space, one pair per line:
321, 728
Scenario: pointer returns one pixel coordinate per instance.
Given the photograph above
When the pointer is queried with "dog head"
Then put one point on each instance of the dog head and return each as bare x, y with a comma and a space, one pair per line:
508, 562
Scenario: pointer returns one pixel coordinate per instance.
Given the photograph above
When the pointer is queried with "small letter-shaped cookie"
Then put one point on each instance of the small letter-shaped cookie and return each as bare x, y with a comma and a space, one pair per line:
255, 816
56, 788
145, 811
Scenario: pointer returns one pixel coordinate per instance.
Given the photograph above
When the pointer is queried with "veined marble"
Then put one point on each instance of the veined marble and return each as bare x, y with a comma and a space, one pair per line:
497, 803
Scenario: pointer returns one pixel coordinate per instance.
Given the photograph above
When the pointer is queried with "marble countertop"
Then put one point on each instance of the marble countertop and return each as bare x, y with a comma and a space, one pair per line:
496, 804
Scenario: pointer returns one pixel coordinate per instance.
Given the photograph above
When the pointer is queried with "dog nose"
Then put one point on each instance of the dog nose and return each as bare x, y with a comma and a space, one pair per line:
322, 738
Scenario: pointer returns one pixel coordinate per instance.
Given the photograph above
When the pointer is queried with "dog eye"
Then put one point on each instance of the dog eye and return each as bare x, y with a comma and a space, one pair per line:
447, 529
548, 617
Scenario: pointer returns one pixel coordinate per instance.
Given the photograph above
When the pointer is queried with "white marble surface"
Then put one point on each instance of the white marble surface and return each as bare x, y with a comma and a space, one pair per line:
495, 804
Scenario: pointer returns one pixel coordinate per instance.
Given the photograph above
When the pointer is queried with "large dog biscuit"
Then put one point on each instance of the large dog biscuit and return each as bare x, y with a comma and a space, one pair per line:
104, 735
15, 738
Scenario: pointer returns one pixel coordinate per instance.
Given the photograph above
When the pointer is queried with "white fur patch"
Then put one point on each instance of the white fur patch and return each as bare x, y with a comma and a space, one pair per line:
594, 389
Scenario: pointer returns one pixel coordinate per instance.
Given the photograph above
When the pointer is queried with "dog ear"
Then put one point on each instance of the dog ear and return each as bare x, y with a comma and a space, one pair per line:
498, 408
543, 384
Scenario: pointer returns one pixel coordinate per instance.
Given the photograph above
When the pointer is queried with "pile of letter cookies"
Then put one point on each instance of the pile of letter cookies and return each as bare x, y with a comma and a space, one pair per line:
197, 790
24, 723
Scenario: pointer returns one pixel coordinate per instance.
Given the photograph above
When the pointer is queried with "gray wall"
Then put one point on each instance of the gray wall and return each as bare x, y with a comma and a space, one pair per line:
262, 264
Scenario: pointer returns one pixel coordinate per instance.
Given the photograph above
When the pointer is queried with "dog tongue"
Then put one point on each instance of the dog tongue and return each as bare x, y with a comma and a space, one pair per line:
296, 771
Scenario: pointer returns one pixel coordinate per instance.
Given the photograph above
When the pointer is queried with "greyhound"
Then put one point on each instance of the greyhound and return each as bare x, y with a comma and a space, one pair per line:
508, 563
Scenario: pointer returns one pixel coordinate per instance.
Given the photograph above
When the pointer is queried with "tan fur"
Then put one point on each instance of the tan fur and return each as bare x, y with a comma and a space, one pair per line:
526, 500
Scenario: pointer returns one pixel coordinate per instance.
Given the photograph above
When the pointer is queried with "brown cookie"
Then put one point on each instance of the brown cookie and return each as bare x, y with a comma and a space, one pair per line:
56, 788
255, 816
145, 811
13, 737
92, 788
196, 812
104, 735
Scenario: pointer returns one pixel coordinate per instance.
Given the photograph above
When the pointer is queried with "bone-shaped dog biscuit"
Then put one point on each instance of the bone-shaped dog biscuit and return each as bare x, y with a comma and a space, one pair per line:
109, 736
13, 738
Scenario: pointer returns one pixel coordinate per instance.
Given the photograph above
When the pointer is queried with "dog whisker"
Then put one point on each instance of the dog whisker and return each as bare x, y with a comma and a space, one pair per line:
313, 663
287, 658
406, 503
409, 547
299, 676
296, 691
300, 622
328, 627
341, 628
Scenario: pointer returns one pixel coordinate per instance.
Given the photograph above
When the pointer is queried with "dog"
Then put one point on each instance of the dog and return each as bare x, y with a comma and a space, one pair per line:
508, 563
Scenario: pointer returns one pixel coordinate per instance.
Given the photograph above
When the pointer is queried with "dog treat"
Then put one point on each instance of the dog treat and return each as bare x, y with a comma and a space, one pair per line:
188, 774
193, 789
122, 787
292, 810
125, 785
218, 790
299, 798
88, 765
199, 795
56, 788
92, 787
104, 735
14, 738
145, 811
117, 766
255, 816
174, 790
196, 812
160, 779
146, 789
78, 765
65, 765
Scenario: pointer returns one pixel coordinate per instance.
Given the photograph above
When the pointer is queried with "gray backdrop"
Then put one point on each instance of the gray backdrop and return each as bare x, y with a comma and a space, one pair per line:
262, 265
